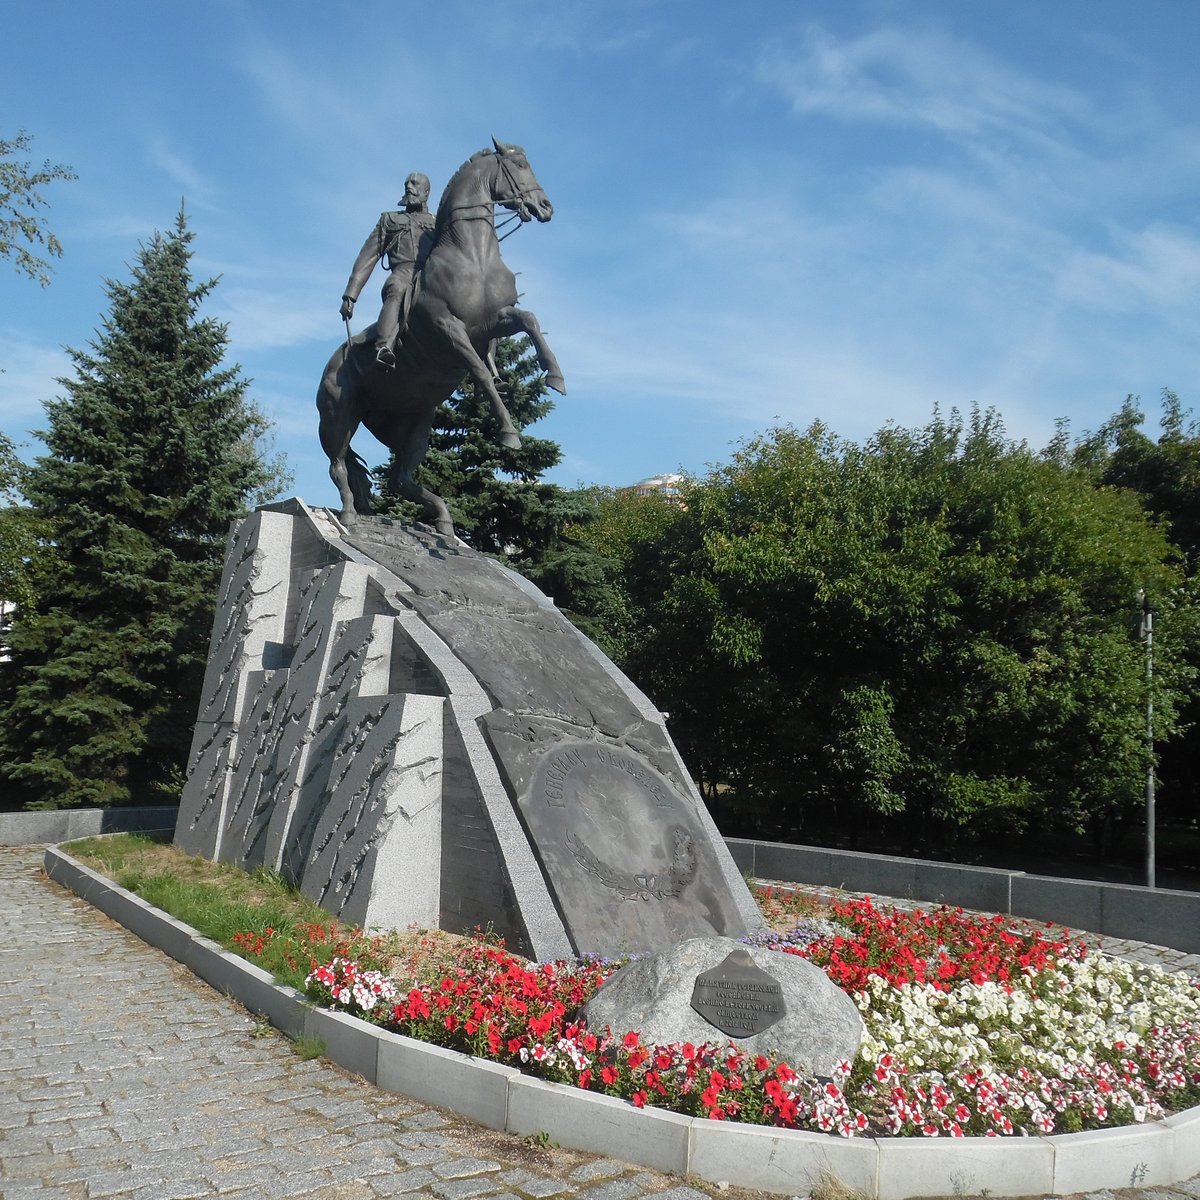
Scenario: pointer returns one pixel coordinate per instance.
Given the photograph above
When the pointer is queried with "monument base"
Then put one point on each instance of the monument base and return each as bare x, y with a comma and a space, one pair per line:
416, 736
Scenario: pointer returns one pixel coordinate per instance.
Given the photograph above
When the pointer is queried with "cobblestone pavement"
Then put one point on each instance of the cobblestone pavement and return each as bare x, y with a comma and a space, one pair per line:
121, 1075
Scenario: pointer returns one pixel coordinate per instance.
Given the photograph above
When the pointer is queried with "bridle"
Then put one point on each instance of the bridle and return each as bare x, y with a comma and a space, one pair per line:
487, 208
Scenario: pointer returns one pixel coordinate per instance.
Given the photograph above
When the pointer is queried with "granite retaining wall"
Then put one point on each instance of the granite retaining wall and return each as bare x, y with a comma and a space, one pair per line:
1159, 915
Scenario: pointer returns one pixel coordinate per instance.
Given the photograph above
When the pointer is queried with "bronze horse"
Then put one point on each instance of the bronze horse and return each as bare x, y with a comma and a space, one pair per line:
466, 298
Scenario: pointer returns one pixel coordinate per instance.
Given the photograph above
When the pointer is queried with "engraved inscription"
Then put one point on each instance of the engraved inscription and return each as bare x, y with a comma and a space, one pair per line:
623, 763
556, 776
561, 766
738, 997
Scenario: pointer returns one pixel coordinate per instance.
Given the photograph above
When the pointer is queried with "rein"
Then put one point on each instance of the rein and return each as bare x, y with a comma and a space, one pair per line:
488, 207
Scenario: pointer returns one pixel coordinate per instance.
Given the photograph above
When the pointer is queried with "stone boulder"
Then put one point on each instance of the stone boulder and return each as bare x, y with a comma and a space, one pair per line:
813, 1023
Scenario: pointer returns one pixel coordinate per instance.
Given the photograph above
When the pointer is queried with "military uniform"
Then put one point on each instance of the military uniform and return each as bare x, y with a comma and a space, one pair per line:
403, 240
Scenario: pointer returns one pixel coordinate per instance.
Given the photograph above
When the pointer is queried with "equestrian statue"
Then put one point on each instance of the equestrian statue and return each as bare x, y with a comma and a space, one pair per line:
449, 296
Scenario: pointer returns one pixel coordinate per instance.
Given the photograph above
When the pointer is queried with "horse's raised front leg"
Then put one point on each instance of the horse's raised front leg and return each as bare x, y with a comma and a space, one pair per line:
455, 332
408, 452
512, 319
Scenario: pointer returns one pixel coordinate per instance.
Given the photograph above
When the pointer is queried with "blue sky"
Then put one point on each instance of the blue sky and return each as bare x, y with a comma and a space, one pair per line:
774, 210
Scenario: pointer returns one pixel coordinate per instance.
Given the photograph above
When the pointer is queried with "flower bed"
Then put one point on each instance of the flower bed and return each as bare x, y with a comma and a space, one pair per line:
973, 1027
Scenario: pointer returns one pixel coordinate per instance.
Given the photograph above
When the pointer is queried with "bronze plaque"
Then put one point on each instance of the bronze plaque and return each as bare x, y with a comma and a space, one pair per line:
739, 998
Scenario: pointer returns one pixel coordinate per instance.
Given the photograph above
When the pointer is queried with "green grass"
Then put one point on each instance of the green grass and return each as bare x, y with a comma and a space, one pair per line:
309, 1047
221, 900
282, 931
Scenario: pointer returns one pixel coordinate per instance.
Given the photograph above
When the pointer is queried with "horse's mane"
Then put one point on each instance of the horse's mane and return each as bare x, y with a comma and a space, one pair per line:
486, 152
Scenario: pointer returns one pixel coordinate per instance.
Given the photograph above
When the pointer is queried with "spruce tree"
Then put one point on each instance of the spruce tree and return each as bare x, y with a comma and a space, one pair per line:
497, 499
152, 451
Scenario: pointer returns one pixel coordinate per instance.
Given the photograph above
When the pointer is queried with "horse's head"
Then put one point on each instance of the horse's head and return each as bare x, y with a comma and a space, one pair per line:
515, 186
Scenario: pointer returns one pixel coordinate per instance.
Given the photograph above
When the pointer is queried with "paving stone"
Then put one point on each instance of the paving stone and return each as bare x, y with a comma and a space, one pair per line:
426, 1120
615, 1189
423, 1140
406, 1181
537, 1186
420, 1158
464, 1189
460, 1168
185, 1189
35, 1191
114, 1183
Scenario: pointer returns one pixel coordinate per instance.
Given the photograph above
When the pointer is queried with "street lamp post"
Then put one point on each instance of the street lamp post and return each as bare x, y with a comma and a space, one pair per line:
1146, 631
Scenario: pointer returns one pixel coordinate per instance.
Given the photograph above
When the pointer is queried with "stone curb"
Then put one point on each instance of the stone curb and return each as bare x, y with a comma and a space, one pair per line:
777, 1160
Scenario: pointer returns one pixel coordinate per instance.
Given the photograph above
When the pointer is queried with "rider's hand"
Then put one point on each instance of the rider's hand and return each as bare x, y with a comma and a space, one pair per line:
347, 309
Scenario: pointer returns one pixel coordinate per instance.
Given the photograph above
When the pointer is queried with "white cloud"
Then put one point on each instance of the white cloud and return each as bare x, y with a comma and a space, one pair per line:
916, 78
263, 320
1158, 266
28, 376
196, 189
302, 100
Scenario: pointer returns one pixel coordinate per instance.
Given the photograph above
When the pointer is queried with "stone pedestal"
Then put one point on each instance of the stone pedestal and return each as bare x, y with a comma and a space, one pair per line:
415, 735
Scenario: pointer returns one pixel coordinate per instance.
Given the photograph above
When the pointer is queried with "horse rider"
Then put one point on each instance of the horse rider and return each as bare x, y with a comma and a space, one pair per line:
403, 238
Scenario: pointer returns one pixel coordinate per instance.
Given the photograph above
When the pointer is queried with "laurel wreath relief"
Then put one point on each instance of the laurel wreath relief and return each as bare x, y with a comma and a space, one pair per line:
640, 887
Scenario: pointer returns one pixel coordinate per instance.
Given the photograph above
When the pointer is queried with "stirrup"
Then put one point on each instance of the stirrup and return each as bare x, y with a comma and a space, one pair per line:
385, 358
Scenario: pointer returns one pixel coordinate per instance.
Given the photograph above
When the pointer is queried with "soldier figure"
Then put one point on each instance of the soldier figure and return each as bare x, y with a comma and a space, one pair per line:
404, 239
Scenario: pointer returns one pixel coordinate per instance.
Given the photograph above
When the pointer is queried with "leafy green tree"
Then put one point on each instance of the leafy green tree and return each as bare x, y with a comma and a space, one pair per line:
22, 226
929, 633
626, 539
22, 541
152, 450
1164, 473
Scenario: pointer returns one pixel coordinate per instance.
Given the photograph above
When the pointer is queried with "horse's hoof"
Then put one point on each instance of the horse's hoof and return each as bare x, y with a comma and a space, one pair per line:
445, 528
347, 516
558, 383
510, 441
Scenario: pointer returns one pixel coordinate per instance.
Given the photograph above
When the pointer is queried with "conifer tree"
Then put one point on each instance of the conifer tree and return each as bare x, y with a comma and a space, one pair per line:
495, 495
153, 449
